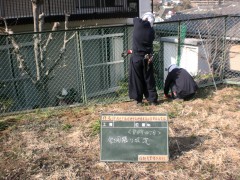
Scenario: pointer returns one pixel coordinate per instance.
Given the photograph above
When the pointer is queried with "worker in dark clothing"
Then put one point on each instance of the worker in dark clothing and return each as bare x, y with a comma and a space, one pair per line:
180, 82
141, 78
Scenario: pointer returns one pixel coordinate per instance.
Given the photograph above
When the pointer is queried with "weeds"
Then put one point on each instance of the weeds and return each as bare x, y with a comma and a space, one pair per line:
172, 115
174, 110
67, 127
3, 125
47, 114
6, 124
5, 104
96, 127
123, 90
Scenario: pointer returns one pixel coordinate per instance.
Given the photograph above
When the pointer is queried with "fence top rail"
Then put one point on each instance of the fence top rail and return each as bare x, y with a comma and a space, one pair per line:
68, 30
200, 18
121, 25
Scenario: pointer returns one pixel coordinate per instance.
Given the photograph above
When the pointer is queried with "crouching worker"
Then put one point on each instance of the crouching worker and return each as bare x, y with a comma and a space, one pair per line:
180, 83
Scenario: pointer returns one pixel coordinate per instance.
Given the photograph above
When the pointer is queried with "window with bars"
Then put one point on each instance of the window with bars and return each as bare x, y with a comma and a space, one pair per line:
101, 3
21, 10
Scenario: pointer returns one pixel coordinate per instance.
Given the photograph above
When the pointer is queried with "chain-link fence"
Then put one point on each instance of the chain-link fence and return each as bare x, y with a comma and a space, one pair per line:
85, 66
208, 48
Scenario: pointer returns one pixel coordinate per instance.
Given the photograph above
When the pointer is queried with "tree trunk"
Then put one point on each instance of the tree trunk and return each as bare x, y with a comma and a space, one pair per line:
42, 93
41, 80
35, 10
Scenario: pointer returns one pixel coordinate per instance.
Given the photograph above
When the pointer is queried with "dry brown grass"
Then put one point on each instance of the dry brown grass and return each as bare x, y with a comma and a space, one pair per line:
60, 144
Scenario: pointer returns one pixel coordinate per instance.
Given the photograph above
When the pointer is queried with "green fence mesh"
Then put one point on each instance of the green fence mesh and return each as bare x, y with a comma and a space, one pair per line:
85, 66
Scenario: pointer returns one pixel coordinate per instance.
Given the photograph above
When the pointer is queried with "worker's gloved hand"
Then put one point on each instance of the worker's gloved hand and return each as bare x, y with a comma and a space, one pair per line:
126, 53
149, 57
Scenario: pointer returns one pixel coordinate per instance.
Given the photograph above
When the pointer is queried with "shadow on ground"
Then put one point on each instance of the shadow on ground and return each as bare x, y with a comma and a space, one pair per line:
179, 145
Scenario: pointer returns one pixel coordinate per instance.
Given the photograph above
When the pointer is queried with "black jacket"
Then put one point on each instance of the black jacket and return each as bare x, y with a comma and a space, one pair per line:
182, 80
143, 36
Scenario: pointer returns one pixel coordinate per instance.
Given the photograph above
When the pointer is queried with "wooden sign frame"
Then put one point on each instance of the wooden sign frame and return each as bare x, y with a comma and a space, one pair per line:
134, 137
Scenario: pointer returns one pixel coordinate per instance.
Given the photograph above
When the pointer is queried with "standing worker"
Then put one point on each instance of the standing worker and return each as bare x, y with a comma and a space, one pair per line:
180, 82
141, 77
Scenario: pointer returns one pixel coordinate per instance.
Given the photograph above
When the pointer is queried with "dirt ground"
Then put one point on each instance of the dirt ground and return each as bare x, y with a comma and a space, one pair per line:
204, 136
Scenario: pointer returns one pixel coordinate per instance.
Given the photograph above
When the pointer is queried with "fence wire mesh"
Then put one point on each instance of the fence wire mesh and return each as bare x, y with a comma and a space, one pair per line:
83, 66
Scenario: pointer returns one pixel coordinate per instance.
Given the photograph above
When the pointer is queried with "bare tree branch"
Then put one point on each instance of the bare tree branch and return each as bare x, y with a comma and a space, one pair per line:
62, 50
61, 55
7, 31
66, 28
16, 47
42, 76
67, 15
41, 21
54, 28
44, 47
35, 10
20, 59
207, 57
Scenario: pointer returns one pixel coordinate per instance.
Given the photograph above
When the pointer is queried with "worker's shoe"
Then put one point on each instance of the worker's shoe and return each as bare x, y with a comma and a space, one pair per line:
153, 103
178, 100
139, 103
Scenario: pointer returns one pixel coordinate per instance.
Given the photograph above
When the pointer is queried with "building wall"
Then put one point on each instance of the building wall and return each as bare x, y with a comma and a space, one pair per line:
206, 2
144, 6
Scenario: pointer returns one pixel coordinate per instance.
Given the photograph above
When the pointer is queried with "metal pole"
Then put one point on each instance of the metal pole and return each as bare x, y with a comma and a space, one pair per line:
152, 5
179, 42
81, 68
224, 49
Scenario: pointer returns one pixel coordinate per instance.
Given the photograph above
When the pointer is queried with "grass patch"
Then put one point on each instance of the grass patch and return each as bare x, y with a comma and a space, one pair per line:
172, 114
67, 127
7, 123
3, 125
96, 127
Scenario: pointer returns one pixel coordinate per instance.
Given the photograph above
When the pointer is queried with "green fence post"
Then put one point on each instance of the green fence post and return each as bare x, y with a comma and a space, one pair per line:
182, 29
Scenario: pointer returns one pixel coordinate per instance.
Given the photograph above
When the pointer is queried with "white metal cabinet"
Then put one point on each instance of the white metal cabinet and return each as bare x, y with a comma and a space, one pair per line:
193, 58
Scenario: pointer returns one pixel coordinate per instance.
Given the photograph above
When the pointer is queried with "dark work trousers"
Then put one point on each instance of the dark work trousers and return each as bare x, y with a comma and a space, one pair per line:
141, 80
173, 88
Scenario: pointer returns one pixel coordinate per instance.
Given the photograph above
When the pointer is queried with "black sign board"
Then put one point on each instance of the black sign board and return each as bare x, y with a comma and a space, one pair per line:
134, 137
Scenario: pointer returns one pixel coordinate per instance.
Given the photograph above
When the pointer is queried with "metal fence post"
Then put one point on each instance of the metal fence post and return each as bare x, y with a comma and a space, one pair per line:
125, 48
81, 67
179, 46
224, 48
